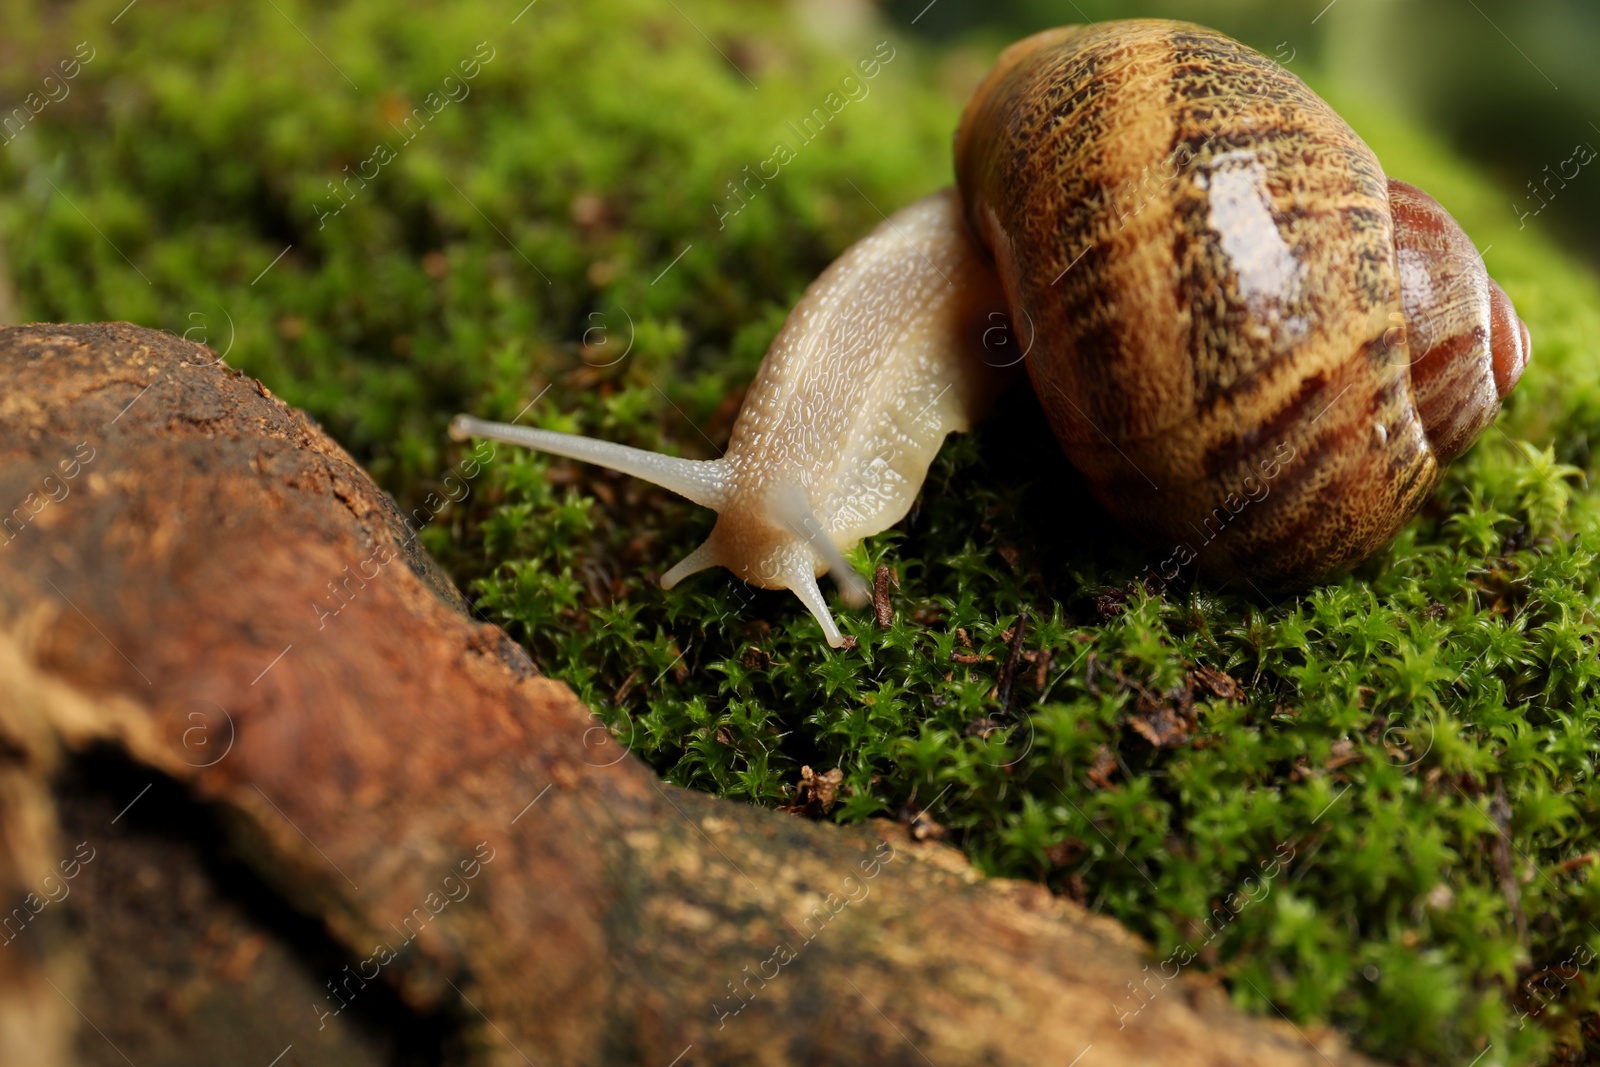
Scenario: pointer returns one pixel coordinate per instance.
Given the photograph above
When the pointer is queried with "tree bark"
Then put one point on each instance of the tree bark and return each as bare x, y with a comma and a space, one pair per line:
175, 542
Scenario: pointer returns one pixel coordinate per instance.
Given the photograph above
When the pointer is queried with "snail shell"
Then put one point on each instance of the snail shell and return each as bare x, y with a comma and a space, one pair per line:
1254, 346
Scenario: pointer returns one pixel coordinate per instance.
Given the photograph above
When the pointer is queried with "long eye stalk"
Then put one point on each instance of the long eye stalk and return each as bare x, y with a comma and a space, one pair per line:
704, 481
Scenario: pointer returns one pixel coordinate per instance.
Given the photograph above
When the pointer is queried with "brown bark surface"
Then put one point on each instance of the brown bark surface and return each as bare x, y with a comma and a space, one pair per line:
158, 614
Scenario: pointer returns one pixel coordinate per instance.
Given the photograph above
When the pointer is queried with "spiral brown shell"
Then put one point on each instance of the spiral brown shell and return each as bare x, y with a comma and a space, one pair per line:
1202, 255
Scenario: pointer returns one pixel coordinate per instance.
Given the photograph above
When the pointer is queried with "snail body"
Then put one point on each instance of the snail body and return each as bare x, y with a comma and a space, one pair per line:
872, 368
1252, 344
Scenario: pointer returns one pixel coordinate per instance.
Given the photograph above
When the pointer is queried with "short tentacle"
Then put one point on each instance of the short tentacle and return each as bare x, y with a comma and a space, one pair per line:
799, 577
789, 508
700, 559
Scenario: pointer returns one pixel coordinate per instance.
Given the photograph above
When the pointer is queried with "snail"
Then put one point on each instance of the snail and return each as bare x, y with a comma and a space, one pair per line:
1252, 344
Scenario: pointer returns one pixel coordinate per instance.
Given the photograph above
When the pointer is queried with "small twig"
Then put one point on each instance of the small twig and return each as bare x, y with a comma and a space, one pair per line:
1008, 672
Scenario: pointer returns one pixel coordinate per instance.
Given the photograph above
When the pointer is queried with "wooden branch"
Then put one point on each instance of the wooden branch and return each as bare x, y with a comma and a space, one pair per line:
176, 543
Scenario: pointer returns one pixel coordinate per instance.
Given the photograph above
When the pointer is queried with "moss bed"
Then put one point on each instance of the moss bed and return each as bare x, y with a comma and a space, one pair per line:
1369, 806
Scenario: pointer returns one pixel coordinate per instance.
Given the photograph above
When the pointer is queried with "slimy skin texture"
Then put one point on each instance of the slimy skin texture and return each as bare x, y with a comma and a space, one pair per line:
1208, 254
1257, 348
872, 368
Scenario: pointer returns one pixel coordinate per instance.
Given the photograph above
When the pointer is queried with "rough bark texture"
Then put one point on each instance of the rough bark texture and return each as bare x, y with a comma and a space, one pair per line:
162, 609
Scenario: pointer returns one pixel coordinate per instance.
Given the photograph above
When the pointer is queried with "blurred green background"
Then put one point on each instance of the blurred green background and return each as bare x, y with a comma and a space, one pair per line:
1510, 84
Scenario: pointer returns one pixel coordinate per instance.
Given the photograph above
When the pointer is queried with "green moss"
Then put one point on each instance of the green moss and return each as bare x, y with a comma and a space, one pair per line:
1389, 732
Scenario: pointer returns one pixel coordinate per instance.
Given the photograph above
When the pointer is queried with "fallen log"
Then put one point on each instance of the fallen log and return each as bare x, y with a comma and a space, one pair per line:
174, 545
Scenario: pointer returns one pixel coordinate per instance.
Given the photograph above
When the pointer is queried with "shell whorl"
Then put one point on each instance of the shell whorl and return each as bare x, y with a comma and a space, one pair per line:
1208, 254
1466, 344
